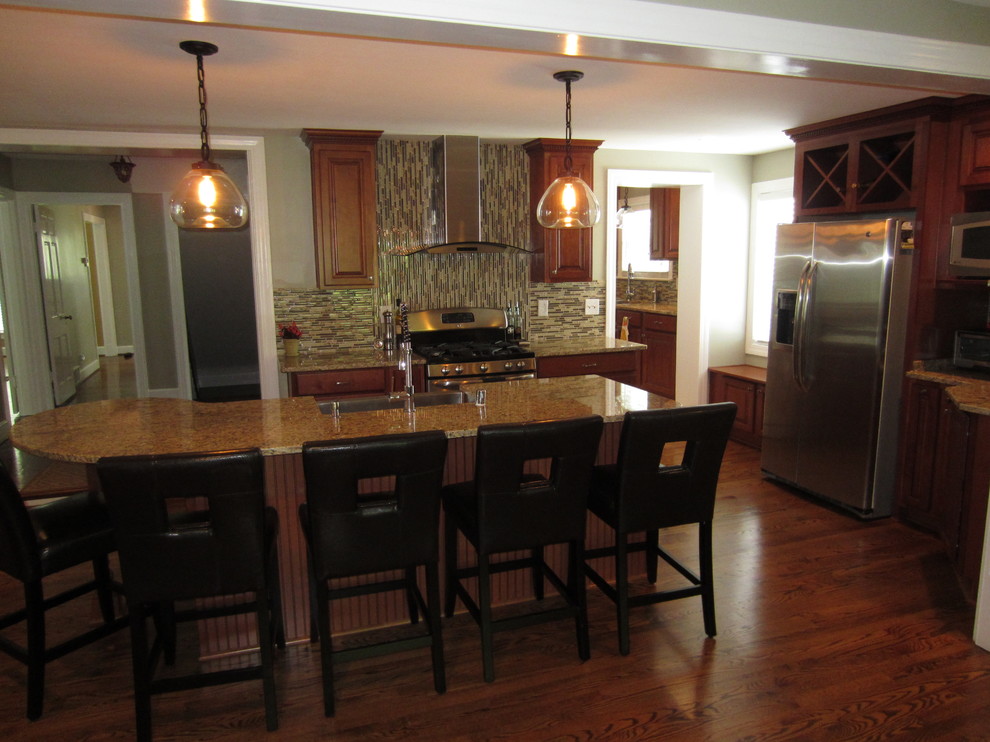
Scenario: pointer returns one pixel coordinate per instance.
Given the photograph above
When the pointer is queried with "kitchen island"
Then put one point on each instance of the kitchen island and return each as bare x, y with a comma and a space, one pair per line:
279, 427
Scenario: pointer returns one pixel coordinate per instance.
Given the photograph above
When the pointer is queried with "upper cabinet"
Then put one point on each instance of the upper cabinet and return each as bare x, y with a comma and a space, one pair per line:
344, 199
975, 144
665, 223
559, 255
873, 170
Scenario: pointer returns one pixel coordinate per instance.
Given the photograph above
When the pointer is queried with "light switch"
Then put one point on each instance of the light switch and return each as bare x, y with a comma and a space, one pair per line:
543, 308
591, 306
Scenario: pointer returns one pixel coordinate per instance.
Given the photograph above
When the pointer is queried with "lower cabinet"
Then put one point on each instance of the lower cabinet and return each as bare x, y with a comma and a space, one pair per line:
659, 333
746, 386
945, 475
351, 382
620, 366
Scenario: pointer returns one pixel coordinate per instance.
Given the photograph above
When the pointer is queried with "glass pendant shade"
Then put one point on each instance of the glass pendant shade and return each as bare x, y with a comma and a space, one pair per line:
568, 204
207, 198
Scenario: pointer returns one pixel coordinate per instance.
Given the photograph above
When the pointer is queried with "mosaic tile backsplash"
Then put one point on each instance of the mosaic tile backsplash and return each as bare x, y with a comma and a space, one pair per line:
347, 318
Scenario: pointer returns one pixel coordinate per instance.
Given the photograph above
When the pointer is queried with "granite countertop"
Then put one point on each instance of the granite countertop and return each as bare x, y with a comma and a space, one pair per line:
344, 360
969, 390
340, 360
83, 433
581, 346
649, 307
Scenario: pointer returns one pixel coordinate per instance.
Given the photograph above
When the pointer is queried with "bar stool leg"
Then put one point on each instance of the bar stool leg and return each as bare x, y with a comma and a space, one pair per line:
436, 629
264, 613
411, 605
326, 648
142, 670
652, 544
485, 608
706, 571
622, 591
537, 572
34, 603
101, 571
579, 592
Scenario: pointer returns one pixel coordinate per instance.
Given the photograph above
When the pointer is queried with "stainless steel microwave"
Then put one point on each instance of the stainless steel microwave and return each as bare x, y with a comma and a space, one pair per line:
972, 350
969, 248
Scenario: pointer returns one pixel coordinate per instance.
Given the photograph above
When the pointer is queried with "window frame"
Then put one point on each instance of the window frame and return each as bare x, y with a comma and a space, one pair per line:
760, 191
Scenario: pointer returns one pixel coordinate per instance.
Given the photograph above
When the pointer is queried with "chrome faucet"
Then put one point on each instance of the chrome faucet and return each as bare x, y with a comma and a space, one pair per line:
405, 352
629, 289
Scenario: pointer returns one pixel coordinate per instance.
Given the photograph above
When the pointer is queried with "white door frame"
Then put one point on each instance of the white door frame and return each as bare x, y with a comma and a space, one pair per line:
104, 284
254, 149
693, 322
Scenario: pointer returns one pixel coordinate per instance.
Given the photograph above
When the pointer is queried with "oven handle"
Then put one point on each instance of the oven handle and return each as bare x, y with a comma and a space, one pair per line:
455, 384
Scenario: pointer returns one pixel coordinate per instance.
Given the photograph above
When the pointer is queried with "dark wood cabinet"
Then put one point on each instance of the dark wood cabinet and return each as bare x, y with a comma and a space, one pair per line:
619, 366
945, 475
974, 161
660, 357
746, 386
872, 170
353, 382
344, 206
635, 324
665, 223
559, 255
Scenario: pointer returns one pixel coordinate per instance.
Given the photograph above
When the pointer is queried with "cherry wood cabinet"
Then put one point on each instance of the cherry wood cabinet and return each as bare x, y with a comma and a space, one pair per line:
974, 165
619, 366
344, 206
746, 386
559, 255
660, 357
877, 169
665, 223
352, 382
635, 324
945, 475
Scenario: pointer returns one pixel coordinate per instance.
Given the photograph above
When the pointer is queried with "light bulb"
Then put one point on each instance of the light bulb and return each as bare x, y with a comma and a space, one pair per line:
207, 198
568, 204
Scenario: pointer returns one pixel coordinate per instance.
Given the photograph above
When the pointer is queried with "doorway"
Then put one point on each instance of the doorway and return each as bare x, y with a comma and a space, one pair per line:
28, 308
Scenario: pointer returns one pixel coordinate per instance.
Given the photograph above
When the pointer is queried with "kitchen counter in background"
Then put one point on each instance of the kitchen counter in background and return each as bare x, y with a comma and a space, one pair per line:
340, 360
649, 307
581, 346
970, 390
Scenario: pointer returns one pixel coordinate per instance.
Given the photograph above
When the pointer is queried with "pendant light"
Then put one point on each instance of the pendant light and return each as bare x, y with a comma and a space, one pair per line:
623, 210
122, 168
206, 198
568, 203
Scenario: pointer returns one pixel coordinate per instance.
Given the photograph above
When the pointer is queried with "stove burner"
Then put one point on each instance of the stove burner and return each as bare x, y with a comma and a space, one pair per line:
455, 352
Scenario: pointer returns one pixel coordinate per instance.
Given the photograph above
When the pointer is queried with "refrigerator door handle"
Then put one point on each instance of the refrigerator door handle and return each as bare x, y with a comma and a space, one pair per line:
804, 297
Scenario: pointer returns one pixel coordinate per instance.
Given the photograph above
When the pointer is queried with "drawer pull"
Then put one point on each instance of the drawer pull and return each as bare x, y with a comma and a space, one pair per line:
341, 383
589, 365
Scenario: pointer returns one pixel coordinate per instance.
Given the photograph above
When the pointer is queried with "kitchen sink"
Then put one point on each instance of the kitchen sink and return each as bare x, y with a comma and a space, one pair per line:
367, 404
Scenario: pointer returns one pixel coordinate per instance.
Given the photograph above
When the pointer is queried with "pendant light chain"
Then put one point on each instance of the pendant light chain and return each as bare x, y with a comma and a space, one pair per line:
204, 131
568, 163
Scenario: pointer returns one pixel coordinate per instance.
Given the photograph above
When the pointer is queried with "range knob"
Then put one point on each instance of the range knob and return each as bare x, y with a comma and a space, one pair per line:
483, 368
508, 365
444, 370
458, 369
520, 364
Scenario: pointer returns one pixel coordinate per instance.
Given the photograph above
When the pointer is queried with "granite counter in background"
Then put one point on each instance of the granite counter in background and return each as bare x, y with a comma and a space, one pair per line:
970, 390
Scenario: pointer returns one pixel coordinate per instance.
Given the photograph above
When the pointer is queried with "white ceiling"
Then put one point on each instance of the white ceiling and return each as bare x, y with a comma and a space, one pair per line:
63, 69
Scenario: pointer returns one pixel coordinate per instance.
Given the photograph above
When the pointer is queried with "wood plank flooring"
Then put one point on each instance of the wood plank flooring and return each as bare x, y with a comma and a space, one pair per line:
829, 629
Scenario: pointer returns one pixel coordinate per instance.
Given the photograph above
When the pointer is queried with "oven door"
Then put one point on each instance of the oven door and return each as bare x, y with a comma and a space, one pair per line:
463, 381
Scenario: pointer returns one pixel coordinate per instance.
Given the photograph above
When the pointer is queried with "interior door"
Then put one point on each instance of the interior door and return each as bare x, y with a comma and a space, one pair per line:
58, 321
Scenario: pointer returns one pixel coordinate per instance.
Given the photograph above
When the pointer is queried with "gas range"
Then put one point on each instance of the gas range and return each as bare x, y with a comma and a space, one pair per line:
468, 345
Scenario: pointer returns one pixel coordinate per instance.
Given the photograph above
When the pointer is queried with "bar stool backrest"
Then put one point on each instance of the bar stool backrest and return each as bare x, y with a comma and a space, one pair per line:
651, 495
219, 552
517, 510
19, 555
355, 532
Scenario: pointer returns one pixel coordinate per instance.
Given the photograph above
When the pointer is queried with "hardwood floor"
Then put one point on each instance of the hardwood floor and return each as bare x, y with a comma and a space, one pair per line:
829, 629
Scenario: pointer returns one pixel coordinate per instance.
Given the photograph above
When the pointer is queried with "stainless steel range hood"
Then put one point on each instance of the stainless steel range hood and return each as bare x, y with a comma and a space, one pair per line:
455, 201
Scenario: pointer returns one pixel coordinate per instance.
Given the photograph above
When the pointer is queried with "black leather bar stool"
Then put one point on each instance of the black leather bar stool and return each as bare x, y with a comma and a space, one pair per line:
37, 542
638, 494
350, 533
507, 510
228, 549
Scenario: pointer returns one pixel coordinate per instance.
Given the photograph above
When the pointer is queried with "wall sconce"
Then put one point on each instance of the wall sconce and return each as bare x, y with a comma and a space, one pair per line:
206, 198
123, 167
568, 203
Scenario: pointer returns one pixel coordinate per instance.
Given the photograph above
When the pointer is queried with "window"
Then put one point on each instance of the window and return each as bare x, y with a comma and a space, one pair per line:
772, 204
633, 242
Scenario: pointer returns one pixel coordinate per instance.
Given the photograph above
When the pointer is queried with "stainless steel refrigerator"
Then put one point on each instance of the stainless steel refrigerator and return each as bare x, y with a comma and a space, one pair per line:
835, 361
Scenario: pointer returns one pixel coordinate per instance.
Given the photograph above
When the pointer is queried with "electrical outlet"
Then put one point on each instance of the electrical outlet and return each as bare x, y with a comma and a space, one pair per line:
543, 307
591, 306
